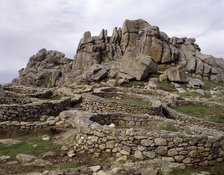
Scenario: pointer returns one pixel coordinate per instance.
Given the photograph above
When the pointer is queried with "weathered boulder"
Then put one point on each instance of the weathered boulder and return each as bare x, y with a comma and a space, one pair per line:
196, 83
39, 163
175, 74
46, 68
25, 158
139, 66
95, 73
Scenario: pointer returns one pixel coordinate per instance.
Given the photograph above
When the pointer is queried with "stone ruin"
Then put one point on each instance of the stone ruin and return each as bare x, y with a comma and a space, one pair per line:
54, 91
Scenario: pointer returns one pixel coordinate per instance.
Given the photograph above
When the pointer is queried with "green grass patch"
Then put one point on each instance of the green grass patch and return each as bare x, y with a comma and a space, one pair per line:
155, 75
130, 101
209, 85
179, 171
196, 94
213, 114
34, 146
68, 165
167, 86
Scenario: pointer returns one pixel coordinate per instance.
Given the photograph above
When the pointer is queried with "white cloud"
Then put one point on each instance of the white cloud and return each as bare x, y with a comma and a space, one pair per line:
29, 25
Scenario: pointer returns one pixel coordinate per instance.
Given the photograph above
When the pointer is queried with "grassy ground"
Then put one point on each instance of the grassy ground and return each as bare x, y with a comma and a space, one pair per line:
167, 86
209, 85
33, 146
179, 171
130, 101
196, 94
67, 165
213, 114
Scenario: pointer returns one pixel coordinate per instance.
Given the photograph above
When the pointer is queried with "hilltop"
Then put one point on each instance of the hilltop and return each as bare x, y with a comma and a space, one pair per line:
137, 102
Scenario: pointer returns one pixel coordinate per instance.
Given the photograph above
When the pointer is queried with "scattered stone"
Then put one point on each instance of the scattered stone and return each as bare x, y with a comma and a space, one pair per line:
151, 84
46, 137
38, 163
116, 169
181, 90
4, 158
156, 103
48, 154
14, 162
71, 153
25, 158
102, 172
196, 83
112, 125
95, 168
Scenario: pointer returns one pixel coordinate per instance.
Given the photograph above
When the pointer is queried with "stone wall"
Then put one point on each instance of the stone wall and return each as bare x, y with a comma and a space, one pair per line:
97, 104
14, 100
33, 110
23, 125
191, 149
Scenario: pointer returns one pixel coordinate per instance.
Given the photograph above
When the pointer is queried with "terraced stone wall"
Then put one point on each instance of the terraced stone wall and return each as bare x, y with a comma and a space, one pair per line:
14, 100
97, 104
190, 149
32, 110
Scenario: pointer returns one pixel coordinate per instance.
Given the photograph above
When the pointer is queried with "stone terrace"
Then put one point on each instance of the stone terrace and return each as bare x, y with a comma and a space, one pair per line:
119, 134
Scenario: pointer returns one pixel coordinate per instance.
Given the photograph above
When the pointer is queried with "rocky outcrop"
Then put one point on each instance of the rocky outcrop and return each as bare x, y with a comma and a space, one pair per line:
139, 66
134, 51
46, 68
196, 83
174, 74
147, 43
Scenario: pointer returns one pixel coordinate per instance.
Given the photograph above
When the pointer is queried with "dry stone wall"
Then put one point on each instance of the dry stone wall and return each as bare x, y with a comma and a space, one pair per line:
14, 100
191, 149
97, 104
33, 110
23, 125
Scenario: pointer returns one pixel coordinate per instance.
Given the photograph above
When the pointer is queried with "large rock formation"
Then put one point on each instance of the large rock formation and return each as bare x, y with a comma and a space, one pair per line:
136, 48
46, 68
132, 52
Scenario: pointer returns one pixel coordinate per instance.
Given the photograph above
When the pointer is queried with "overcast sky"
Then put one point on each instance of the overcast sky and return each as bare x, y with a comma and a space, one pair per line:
29, 25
